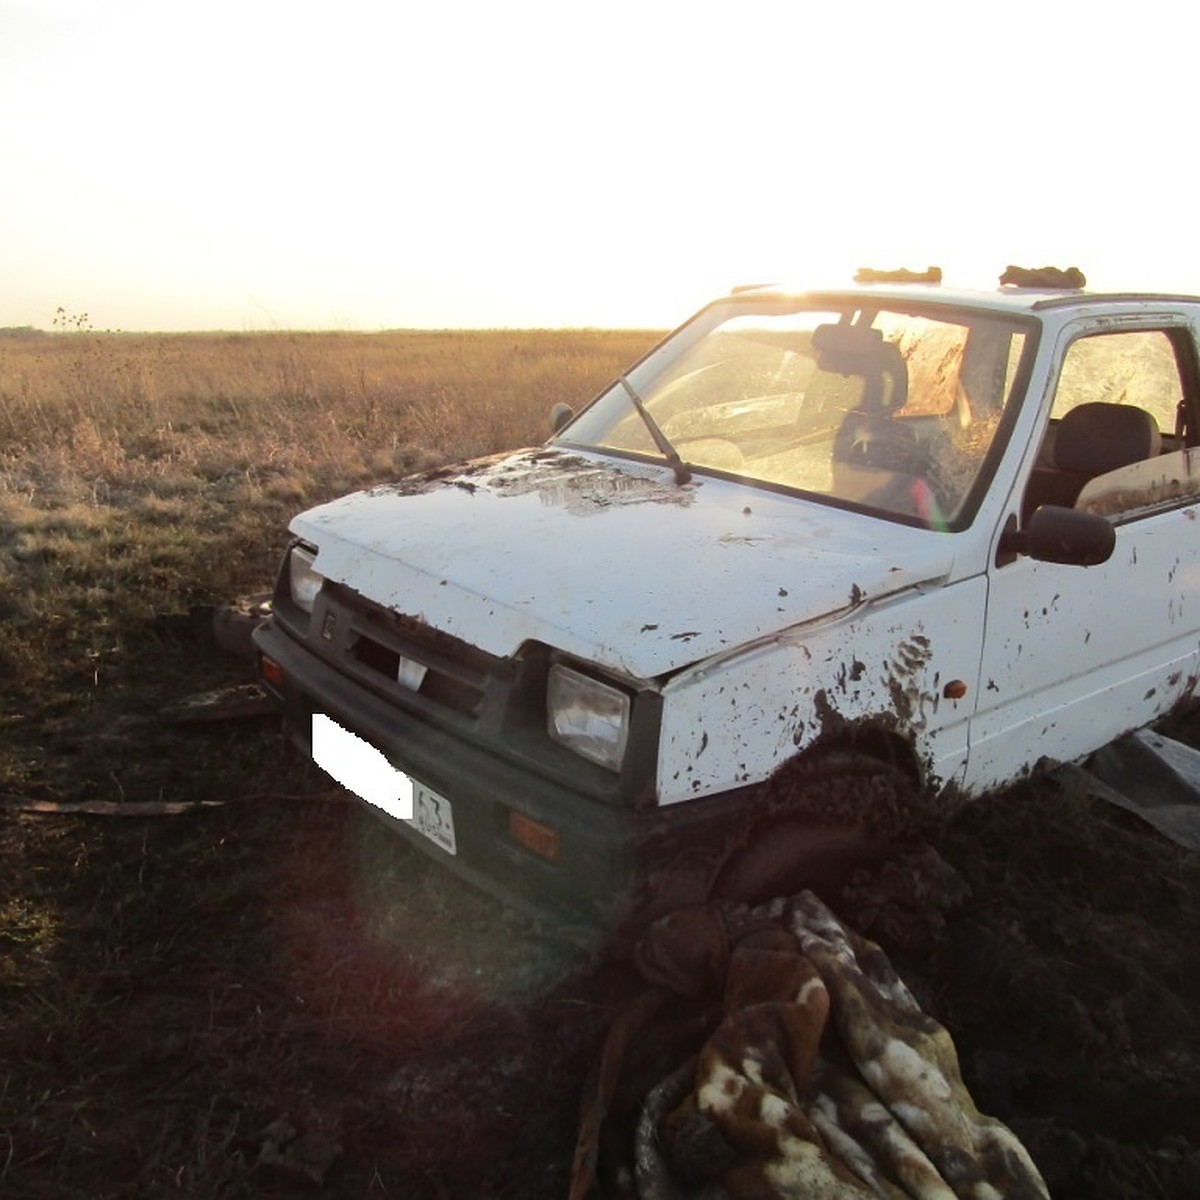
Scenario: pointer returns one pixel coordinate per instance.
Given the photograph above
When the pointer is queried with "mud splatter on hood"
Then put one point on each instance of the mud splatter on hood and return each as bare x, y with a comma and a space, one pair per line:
608, 560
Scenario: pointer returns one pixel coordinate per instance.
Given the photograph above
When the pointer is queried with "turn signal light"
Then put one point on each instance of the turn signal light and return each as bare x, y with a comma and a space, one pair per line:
270, 670
533, 835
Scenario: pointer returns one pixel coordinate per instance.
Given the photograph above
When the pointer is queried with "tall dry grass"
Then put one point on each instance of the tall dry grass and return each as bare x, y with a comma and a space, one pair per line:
141, 474
170, 987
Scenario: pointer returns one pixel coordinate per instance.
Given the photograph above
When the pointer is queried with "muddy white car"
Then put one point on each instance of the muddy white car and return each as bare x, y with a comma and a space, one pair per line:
816, 553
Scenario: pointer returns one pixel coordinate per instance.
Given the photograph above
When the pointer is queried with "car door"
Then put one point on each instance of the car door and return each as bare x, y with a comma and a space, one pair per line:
1075, 656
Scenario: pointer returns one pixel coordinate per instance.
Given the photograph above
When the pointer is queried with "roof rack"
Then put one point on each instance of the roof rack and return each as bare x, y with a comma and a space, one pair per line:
1043, 277
900, 275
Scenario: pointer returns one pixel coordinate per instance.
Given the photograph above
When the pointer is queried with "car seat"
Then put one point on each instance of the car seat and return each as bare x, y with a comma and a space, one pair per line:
1092, 439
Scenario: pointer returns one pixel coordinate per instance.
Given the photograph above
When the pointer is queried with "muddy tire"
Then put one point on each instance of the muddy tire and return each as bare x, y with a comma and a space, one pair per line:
825, 816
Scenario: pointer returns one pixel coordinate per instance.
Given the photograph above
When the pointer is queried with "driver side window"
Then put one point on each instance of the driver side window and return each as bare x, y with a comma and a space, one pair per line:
1137, 368
1112, 419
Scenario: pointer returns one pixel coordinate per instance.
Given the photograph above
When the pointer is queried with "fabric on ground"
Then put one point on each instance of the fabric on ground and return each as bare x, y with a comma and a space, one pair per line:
821, 1076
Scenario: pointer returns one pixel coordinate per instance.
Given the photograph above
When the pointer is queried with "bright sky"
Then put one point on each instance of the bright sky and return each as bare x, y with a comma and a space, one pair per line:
261, 164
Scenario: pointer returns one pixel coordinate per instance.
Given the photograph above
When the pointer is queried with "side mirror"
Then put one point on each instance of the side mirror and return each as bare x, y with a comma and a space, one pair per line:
560, 414
1061, 535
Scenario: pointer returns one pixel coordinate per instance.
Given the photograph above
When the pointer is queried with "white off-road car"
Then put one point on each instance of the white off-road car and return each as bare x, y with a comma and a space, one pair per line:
818, 552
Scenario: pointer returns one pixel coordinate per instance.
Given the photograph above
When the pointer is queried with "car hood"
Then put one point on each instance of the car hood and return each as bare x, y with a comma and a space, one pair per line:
609, 560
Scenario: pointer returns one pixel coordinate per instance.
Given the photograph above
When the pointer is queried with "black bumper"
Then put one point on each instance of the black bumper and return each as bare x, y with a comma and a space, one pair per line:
618, 865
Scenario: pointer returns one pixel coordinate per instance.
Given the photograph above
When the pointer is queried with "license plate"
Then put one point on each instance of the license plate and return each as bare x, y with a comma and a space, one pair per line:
362, 769
433, 816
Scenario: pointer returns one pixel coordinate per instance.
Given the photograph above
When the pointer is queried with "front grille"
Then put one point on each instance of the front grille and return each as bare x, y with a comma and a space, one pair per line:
399, 657
378, 658
439, 686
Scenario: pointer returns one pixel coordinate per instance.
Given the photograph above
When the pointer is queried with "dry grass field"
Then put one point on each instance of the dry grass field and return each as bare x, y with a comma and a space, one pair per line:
269, 997
147, 1036
141, 474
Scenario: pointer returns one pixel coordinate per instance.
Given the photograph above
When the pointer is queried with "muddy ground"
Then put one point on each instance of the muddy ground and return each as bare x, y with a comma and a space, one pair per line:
274, 997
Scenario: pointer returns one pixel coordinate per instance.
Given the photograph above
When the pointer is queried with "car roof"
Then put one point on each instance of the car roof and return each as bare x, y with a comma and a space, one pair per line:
998, 299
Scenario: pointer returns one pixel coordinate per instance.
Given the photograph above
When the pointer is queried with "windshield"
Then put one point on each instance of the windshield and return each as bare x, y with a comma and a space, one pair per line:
891, 410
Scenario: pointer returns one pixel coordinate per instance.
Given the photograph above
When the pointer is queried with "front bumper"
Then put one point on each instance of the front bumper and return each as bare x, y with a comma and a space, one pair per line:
618, 865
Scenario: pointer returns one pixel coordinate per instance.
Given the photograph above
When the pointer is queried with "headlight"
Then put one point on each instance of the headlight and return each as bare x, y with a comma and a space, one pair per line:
587, 716
304, 582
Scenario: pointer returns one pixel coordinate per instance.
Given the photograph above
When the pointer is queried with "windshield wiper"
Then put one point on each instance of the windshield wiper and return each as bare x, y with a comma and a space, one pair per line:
677, 465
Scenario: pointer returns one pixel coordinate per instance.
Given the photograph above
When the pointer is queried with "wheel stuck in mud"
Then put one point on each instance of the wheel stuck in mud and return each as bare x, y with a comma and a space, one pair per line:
824, 816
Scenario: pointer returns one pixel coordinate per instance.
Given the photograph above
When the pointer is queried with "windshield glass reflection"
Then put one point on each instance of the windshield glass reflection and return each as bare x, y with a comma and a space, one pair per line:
893, 411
